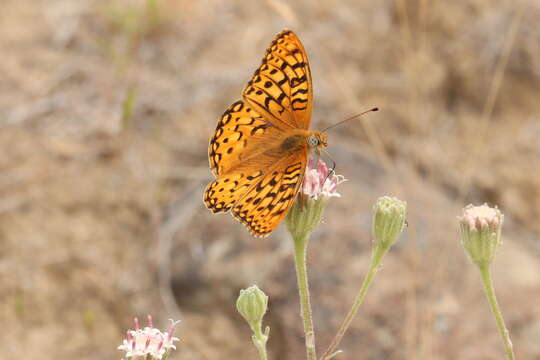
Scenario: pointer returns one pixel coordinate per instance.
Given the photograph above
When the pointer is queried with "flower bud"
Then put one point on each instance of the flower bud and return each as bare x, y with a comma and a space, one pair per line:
480, 230
252, 304
389, 215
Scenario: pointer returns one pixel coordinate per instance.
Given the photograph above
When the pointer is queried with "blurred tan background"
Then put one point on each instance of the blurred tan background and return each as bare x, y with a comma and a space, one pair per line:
106, 109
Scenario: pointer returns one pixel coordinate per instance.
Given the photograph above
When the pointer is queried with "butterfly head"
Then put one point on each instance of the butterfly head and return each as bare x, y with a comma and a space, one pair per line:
317, 141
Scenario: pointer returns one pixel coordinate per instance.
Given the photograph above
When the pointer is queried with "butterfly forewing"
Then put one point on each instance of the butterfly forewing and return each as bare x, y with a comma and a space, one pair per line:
281, 87
236, 131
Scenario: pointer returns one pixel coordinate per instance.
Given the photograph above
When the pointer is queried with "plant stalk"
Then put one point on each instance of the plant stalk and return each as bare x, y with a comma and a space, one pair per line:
492, 299
300, 249
376, 258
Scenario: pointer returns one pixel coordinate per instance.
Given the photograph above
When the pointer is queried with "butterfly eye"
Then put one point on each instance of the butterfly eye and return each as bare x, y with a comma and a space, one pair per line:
313, 141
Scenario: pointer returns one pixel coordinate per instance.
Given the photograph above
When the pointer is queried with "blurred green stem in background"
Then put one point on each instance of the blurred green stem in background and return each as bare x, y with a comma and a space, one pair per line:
492, 299
153, 14
127, 107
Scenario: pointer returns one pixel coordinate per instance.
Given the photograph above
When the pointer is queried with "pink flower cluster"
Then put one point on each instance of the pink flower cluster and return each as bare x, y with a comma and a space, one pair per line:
148, 343
318, 183
482, 217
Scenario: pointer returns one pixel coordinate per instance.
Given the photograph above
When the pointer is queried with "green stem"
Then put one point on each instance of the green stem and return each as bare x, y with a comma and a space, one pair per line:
261, 348
259, 339
300, 247
490, 294
376, 258
262, 352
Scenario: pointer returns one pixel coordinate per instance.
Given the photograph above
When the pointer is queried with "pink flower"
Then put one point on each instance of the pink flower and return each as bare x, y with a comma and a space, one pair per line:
317, 182
148, 343
482, 217
318, 185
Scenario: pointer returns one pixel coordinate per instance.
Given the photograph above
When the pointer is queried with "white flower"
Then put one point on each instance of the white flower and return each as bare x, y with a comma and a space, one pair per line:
148, 343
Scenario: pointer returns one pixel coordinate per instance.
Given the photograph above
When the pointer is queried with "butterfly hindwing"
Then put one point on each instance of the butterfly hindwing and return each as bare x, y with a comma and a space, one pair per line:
266, 203
221, 194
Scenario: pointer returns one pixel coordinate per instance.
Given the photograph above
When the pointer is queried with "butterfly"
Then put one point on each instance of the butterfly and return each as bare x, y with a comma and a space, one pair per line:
259, 150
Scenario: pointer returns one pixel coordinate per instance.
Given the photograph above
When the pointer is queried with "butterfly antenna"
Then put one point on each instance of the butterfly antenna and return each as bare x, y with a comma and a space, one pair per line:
351, 118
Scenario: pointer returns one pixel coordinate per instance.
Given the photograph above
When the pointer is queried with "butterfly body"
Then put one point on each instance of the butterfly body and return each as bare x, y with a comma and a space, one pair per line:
259, 150
296, 141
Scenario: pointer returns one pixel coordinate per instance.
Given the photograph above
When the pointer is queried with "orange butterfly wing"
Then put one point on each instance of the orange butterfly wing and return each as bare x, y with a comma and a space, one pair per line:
264, 205
238, 134
257, 177
235, 142
281, 88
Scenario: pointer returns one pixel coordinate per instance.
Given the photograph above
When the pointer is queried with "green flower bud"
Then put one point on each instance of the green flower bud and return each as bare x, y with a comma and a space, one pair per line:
252, 304
480, 230
389, 216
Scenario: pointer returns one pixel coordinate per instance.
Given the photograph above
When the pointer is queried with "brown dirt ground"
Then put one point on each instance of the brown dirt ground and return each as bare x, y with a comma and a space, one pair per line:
101, 217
